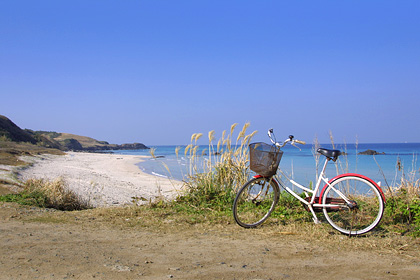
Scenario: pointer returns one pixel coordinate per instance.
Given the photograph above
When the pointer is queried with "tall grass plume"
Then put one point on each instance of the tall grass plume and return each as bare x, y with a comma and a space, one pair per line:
214, 180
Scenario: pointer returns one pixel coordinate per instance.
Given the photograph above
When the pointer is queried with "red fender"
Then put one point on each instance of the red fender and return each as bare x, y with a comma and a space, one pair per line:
354, 175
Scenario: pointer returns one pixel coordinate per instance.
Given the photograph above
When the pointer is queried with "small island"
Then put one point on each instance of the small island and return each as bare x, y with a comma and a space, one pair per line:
370, 153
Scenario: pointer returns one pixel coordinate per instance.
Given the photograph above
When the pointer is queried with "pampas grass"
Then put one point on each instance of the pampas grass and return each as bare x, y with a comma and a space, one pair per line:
215, 180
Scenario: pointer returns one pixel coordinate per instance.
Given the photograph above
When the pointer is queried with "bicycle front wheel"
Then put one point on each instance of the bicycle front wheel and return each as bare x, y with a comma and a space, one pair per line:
255, 201
364, 211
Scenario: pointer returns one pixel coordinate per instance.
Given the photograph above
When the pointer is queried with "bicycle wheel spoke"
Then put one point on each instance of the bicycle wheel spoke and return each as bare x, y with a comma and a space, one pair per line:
363, 212
255, 202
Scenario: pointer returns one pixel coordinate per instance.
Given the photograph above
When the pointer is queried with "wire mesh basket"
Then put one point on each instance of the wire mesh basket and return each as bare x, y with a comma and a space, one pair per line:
264, 159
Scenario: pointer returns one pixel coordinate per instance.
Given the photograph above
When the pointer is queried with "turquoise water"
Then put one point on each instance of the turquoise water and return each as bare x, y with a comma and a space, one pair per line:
300, 164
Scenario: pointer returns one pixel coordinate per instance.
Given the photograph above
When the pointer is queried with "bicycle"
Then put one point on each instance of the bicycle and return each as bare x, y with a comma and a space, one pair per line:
351, 203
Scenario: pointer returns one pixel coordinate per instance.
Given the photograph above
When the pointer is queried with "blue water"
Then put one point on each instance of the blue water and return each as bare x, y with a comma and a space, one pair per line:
300, 165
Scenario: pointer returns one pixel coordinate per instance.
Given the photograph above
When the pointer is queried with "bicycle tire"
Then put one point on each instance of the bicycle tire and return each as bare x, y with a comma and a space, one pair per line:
363, 214
255, 201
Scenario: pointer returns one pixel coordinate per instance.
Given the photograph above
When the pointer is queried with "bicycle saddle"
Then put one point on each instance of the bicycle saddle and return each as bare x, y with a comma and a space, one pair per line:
331, 154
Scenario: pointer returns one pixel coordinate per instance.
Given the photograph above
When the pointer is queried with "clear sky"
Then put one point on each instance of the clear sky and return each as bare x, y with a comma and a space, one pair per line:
156, 72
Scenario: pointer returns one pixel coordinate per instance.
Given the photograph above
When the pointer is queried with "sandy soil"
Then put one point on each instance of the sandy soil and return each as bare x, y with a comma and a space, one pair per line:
103, 179
35, 246
87, 249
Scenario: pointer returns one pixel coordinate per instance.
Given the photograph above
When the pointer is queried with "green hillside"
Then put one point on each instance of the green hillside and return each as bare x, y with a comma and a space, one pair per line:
15, 142
10, 131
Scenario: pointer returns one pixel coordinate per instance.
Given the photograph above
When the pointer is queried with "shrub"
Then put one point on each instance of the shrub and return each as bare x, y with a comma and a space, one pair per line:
49, 194
403, 207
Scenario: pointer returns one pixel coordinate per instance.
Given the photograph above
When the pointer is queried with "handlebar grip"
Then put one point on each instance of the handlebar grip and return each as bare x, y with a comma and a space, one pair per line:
300, 142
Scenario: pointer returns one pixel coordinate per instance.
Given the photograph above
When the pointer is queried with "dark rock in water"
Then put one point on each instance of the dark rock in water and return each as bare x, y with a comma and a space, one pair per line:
133, 146
370, 153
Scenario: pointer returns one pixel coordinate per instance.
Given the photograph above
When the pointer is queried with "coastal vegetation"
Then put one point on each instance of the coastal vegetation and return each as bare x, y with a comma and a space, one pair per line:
11, 152
47, 194
211, 193
223, 171
227, 168
10, 134
402, 211
208, 195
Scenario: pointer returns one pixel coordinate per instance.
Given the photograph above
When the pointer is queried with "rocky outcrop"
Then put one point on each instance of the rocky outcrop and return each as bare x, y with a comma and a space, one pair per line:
133, 146
370, 153
113, 147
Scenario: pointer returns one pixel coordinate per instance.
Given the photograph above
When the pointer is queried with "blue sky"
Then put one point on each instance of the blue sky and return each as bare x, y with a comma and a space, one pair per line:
158, 71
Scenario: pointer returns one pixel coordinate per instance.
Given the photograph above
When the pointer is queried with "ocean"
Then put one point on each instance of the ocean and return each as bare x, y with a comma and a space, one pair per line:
398, 159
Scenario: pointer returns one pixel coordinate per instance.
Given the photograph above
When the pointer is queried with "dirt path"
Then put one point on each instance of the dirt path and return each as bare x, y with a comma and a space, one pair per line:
90, 250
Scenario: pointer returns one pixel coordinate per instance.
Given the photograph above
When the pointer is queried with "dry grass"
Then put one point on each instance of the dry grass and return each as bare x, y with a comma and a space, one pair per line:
57, 193
165, 219
227, 162
215, 174
10, 152
50, 194
224, 170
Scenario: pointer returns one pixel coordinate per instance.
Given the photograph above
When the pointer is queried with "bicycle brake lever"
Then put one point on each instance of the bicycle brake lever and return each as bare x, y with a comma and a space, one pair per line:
294, 145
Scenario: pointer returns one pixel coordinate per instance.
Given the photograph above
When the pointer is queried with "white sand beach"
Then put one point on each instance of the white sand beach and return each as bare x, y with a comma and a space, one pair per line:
103, 179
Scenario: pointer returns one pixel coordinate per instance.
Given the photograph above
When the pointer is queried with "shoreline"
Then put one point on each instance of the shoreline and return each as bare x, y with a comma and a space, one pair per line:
102, 179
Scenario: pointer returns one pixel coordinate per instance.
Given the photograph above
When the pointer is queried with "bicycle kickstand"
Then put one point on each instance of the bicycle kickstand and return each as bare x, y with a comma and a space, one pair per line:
314, 217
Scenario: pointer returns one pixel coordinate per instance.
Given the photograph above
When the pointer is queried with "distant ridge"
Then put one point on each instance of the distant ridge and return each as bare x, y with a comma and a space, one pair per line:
9, 131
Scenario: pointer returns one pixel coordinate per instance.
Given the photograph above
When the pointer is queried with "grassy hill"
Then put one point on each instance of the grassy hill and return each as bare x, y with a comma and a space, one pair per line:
15, 142
10, 131
75, 142
83, 143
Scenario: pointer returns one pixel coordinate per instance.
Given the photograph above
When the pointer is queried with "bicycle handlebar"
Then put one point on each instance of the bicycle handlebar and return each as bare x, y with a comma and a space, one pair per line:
300, 142
281, 145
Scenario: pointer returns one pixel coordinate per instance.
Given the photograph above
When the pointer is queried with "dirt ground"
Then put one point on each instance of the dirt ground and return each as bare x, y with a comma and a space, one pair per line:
32, 248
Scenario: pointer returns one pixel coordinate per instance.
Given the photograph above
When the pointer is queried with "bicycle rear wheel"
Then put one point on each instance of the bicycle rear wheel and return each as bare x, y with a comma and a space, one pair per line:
255, 201
364, 211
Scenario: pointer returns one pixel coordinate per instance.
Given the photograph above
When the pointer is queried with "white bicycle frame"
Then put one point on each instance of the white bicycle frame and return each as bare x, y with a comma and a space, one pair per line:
321, 178
311, 204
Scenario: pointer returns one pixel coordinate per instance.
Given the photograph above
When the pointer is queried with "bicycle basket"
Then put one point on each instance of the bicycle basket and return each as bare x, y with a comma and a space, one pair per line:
264, 158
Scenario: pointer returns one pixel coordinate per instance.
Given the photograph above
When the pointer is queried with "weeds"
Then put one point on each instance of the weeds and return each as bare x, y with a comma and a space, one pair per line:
290, 210
213, 179
211, 187
211, 184
402, 211
48, 194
